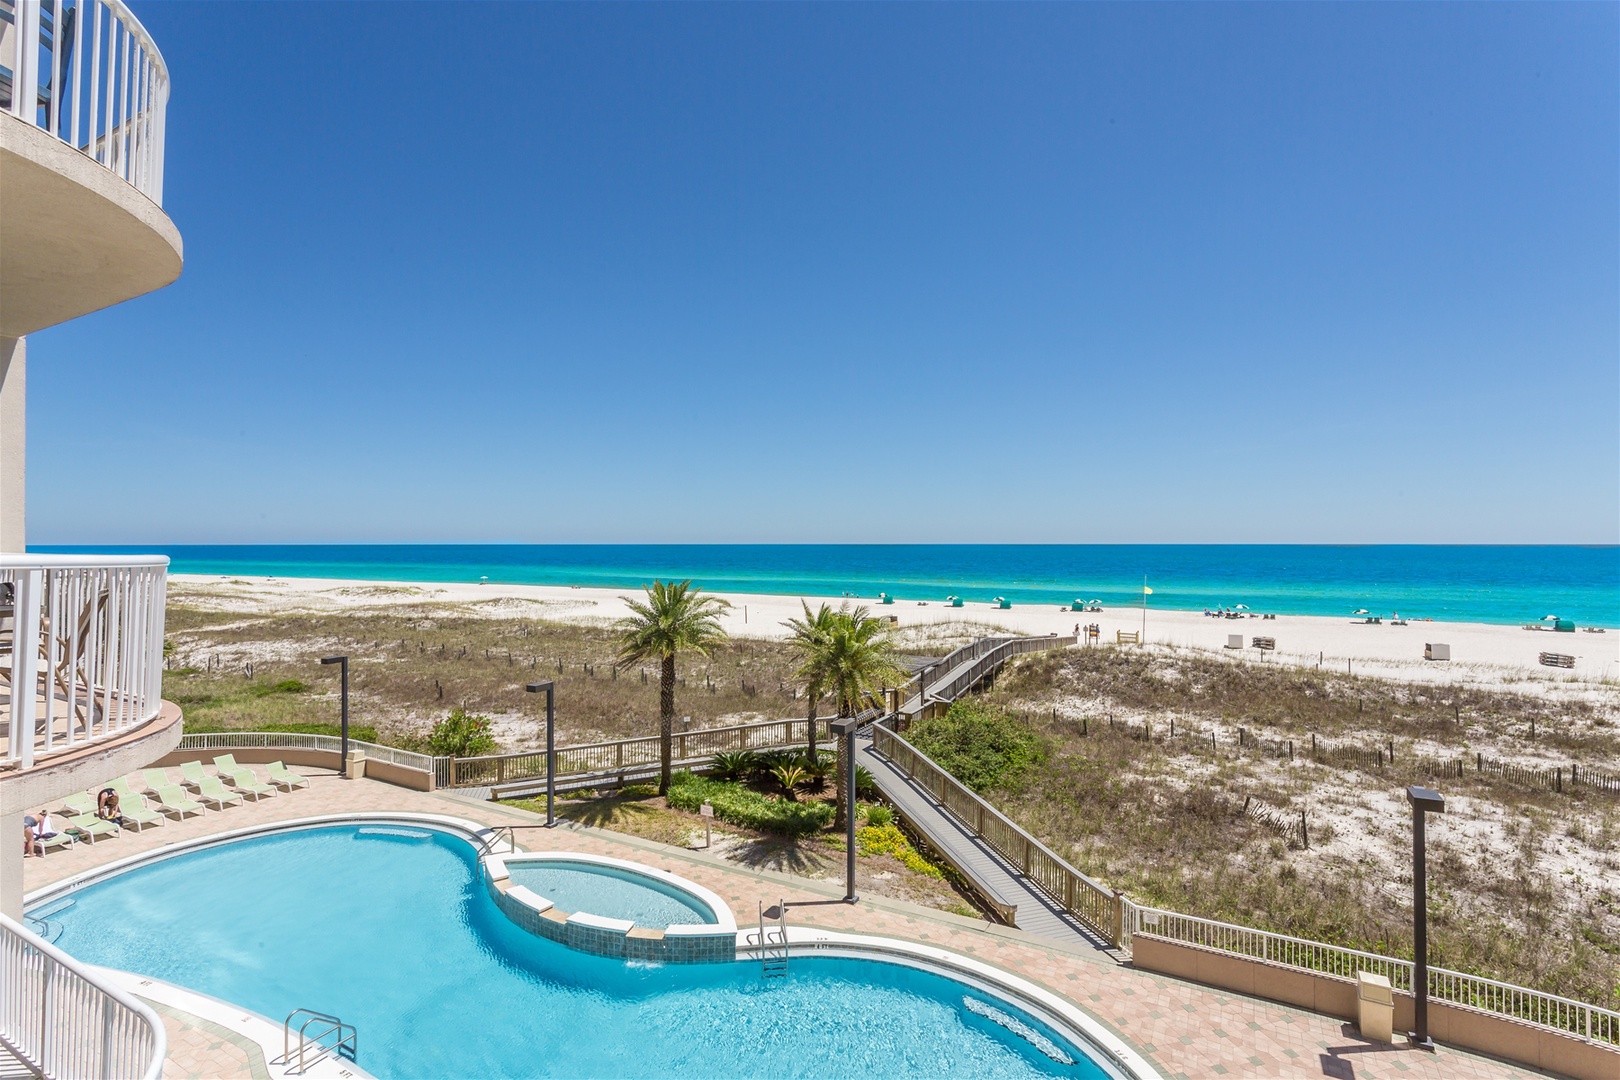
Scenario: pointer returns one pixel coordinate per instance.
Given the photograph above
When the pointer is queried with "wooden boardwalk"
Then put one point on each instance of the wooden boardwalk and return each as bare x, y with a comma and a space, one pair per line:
991, 874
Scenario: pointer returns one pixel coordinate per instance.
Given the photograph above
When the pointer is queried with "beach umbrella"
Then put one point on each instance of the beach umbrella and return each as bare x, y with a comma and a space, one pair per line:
1361, 611
1240, 607
1549, 618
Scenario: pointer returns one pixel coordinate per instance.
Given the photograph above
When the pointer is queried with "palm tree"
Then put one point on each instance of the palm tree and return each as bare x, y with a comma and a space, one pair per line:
675, 618
808, 639
857, 660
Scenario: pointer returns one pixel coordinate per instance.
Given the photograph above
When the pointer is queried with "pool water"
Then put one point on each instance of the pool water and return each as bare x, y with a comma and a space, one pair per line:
392, 930
612, 892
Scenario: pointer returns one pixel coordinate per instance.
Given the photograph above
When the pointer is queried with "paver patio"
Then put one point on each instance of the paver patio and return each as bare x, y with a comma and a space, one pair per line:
1185, 1029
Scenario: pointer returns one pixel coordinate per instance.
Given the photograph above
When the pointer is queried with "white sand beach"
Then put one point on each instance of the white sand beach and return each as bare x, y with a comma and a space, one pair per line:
1481, 653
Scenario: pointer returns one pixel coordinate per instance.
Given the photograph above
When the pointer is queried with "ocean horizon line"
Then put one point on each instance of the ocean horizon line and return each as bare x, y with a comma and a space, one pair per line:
1486, 583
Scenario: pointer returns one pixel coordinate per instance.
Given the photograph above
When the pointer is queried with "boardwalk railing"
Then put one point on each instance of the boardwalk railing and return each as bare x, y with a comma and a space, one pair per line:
602, 757
1531, 1006
989, 660
62, 1022
1094, 904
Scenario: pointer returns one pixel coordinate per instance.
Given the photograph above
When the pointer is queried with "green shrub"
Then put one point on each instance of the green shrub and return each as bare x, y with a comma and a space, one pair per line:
887, 839
461, 734
734, 765
980, 745
790, 777
744, 806
865, 786
879, 815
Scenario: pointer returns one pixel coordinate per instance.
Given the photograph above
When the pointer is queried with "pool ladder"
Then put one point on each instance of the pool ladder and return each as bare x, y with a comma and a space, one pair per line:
313, 1046
772, 942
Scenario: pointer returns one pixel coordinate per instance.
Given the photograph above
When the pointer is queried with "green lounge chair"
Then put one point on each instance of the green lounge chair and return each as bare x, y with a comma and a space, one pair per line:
211, 791
88, 826
284, 777
226, 766
134, 810
81, 804
61, 839
156, 778
243, 781
174, 801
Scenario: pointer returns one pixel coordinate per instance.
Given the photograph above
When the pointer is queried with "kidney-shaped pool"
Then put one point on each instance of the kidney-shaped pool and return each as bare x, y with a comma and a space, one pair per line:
393, 930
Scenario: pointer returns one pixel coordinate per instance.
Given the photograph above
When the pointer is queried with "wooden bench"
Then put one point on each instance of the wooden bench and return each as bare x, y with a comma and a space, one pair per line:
1554, 659
1127, 637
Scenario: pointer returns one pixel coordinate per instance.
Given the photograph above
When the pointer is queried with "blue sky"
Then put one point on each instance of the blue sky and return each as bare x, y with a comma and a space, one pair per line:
1061, 273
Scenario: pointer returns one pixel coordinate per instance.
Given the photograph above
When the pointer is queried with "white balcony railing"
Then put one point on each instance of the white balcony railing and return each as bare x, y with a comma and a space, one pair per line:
88, 72
63, 1021
81, 650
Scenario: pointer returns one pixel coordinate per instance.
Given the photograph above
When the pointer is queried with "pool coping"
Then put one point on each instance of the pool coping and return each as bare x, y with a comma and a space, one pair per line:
1119, 1057
498, 867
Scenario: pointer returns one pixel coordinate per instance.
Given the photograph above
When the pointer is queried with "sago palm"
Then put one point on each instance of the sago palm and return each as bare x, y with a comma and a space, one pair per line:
857, 660
675, 618
808, 639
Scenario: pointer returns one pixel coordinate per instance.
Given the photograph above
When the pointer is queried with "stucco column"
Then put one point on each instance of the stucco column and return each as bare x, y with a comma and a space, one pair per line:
13, 442
11, 866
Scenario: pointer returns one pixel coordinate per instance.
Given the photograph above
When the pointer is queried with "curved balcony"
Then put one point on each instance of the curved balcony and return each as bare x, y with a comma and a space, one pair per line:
83, 104
90, 75
81, 653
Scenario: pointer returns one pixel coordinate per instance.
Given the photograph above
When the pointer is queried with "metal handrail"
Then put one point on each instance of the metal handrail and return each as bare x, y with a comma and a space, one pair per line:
347, 1037
61, 1019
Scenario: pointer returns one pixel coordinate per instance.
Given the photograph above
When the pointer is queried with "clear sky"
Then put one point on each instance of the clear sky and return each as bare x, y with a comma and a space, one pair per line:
1063, 273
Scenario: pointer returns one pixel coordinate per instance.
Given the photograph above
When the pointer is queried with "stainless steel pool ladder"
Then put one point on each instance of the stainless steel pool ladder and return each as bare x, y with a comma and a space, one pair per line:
312, 1045
773, 942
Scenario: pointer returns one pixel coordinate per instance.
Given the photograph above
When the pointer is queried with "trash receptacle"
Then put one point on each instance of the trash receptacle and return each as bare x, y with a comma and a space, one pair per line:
1435, 651
1234, 641
1375, 1007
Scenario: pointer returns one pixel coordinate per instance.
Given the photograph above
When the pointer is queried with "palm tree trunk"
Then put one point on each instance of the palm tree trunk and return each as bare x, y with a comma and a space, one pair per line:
666, 722
812, 692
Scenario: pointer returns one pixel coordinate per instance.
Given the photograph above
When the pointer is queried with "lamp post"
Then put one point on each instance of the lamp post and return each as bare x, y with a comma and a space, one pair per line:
1424, 801
844, 728
343, 749
550, 689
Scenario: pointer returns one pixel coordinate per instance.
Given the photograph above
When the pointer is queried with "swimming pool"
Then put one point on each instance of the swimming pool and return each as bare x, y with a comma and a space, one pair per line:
574, 884
393, 930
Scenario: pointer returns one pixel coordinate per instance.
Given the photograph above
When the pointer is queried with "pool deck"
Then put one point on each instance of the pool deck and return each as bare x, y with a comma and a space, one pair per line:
1187, 1030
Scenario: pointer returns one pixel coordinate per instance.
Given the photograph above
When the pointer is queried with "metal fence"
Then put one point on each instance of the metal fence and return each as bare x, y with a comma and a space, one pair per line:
87, 72
83, 656
65, 1024
1089, 901
1520, 1003
279, 740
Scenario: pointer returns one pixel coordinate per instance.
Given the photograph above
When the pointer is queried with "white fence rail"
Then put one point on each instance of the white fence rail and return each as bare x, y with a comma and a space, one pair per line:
280, 740
88, 72
1531, 1006
81, 649
66, 1025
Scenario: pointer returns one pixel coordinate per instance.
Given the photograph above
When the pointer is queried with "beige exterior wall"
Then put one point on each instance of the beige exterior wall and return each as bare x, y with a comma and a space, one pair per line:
1452, 1025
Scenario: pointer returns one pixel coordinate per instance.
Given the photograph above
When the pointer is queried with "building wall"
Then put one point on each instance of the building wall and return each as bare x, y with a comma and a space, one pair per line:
13, 441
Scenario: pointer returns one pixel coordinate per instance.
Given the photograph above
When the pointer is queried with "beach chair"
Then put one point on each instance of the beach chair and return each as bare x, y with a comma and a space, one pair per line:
156, 778
80, 804
61, 839
211, 791
284, 777
172, 800
242, 779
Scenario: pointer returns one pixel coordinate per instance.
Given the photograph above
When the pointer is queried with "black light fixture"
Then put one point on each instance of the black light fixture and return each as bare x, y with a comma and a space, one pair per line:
550, 689
343, 751
1424, 801
844, 728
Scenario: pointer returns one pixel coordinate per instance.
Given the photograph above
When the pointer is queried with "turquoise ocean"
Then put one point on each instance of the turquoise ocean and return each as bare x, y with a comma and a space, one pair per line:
1487, 584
